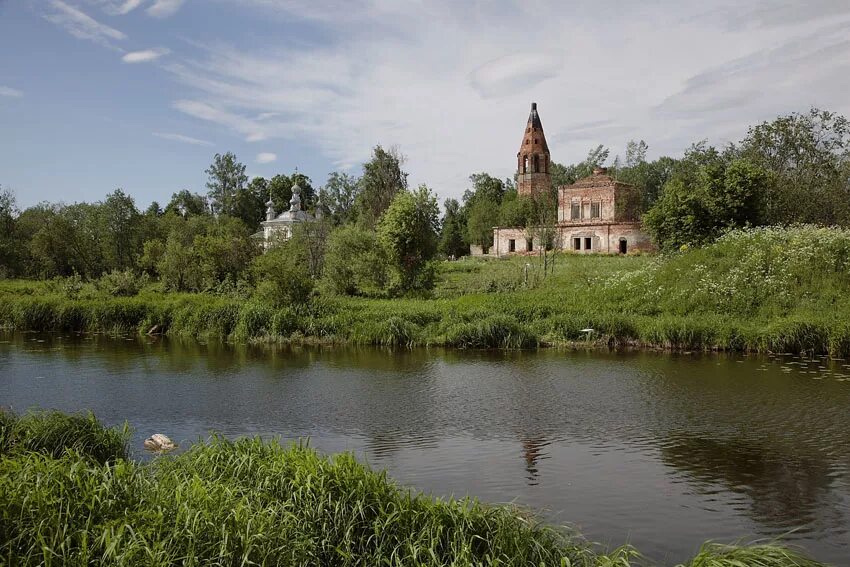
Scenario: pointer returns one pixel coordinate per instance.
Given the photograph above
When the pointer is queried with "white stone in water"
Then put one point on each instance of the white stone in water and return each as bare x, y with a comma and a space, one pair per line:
159, 443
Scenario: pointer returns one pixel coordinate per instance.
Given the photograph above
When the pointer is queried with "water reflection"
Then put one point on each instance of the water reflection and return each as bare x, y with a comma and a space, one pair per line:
532, 453
783, 491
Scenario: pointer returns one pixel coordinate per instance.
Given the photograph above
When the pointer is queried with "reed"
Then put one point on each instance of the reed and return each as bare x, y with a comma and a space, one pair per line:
770, 555
54, 433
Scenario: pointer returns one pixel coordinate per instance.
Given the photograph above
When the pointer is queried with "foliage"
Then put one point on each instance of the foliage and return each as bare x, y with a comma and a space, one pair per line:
176, 267
709, 192
808, 156
311, 239
764, 555
496, 331
339, 196
355, 263
481, 207
121, 221
256, 502
515, 211
282, 275
185, 203
452, 238
9, 253
200, 253
408, 233
382, 179
124, 283
249, 203
226, 178
648, 176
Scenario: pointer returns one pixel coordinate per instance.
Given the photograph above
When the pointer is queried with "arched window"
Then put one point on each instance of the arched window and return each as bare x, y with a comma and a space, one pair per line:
536, 163
525, 164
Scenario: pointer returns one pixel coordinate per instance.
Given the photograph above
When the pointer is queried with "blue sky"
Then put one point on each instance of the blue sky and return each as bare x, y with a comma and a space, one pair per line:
139, 94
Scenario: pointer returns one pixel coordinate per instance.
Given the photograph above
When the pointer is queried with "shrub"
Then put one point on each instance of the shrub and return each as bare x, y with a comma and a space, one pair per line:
355, 262
122, 283
283, 275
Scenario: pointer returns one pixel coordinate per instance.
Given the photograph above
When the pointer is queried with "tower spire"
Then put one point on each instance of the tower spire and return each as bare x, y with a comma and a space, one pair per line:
533, 158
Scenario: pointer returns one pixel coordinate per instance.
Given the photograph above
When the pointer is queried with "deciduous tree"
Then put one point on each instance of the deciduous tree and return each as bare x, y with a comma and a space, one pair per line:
383, 178
226, 178
408, 233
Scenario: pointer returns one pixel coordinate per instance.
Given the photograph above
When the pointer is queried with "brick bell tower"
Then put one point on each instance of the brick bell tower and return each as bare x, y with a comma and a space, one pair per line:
533, 158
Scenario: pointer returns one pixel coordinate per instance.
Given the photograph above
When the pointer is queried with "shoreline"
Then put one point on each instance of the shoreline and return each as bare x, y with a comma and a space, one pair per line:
367, 322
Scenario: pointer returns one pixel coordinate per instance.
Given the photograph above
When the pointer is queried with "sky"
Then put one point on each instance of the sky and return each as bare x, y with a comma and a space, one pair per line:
140, 94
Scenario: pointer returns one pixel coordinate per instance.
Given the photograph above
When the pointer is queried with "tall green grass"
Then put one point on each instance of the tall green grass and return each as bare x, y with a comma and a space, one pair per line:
54, 433
767, 289
251, 502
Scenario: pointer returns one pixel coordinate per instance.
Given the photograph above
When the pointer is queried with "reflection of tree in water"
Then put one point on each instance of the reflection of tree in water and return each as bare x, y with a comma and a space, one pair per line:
785, 490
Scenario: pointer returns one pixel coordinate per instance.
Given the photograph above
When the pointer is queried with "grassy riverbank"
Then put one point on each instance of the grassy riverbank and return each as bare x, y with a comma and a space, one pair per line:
70, 496
779, 290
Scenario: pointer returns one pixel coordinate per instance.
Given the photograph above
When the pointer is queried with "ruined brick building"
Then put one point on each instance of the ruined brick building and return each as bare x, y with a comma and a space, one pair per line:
597, 214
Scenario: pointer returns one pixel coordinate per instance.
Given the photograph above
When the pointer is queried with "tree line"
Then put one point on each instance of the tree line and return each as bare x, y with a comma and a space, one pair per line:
379, 237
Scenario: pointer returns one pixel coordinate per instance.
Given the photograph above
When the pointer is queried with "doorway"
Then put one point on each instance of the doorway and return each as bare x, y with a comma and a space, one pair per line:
623, 246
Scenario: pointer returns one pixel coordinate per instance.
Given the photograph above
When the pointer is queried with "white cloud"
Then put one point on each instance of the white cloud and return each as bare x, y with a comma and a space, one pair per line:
450, 82
182, 138
145, 55
244, 126
81, 25
9, 91
164, 8
266, 157
515, 72
118, 7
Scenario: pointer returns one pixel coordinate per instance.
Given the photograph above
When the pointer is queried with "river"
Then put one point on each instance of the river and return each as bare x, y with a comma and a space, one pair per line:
661, 451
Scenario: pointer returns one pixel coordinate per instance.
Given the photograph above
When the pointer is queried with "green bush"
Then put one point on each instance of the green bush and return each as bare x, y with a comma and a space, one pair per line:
122, 283
355, 263
282, 275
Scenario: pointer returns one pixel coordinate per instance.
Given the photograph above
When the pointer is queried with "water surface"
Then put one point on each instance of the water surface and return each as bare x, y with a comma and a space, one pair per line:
662, 451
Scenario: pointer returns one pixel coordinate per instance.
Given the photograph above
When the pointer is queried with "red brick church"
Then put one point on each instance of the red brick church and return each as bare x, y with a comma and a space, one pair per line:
597, 214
